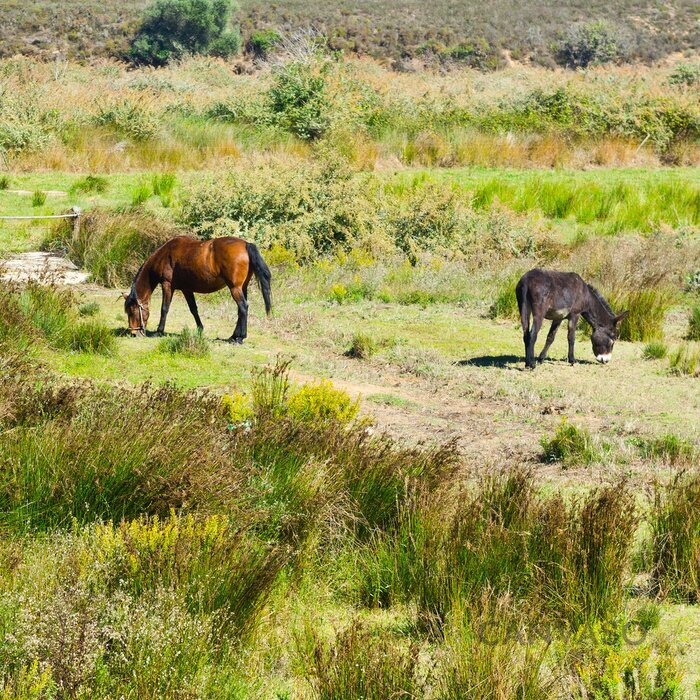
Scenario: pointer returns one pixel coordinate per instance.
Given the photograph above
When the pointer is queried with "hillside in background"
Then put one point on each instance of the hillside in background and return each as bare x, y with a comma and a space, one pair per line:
646, 31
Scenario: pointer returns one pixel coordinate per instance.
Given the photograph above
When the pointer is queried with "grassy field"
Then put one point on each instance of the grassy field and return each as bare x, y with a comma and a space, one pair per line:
371, 497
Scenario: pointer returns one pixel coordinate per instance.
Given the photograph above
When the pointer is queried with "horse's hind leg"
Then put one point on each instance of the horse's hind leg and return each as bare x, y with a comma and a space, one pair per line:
241, 330
189, 297
550, 339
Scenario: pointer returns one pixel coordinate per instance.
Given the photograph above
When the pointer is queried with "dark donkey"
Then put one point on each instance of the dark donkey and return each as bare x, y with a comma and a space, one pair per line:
559, 295
201, 267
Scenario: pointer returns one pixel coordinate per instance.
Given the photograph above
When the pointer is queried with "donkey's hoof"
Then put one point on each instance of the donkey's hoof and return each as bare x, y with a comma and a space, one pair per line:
235, 341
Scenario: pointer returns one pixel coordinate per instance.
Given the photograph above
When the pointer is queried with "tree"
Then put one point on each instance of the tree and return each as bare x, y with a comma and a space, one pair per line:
171, 29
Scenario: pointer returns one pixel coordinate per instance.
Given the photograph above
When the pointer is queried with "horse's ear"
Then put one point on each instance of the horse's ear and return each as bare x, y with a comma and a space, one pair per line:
622, 316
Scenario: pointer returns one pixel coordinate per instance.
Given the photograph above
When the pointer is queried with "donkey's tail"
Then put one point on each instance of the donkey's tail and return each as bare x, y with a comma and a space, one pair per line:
262, 273
523, 302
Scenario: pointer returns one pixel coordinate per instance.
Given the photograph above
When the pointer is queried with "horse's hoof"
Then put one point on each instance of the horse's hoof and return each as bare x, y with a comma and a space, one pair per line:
236, 341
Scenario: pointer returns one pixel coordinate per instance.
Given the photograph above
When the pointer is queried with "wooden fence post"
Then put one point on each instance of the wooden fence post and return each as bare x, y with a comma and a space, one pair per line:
76, 211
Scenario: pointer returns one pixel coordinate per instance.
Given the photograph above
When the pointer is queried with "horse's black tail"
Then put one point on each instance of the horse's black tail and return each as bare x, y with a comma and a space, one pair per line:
262, 273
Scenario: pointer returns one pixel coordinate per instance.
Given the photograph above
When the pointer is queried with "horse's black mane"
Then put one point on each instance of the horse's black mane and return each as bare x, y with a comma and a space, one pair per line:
600, 298
132, 298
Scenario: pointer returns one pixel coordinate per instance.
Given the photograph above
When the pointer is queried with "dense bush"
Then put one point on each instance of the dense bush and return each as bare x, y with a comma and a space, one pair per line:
172, 28
309, 212
261, 42
587, 44
298, 101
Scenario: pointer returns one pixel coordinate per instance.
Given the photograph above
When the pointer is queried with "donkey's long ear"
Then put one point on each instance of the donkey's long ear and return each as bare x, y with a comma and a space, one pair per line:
622, 316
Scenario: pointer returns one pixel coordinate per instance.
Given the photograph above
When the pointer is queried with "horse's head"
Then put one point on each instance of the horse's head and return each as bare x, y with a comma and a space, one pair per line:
137, 314
604, 337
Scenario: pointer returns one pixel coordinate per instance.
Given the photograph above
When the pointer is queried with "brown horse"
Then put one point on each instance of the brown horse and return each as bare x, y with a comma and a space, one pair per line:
201, 267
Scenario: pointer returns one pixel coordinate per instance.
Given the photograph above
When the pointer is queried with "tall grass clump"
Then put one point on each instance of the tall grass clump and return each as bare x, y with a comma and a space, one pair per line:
361, 663
163, 185
505, 304
685, 360
67, 466
90, 184
668, 449
675, 537
694, 324
647, 309
53, 315
655, 350
38, 198
112, 245
362, 346
569, 444
186, 343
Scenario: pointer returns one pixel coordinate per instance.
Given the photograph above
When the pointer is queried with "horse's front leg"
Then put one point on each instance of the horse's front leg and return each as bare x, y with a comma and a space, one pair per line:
165, 306
573, 322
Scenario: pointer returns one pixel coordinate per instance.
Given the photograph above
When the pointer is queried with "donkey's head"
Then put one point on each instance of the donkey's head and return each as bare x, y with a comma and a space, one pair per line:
604, 337
137, 314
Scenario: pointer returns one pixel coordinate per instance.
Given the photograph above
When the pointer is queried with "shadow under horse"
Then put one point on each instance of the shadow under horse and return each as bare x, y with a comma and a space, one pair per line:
198, 267
559, 296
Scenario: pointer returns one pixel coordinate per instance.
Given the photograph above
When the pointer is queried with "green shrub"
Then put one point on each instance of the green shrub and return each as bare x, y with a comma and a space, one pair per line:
694, 324
38, 198
262, 42
321, 401
655, 350
4, 182
685, 75
186, 342
297, 99
685, 360
675, 538
172, 28
569, 444
90, 183
89, 308
362, 346
319, 210
226, 45
586, 44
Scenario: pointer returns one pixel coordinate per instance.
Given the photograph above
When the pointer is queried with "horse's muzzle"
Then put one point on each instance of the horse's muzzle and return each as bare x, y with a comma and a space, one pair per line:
604, 359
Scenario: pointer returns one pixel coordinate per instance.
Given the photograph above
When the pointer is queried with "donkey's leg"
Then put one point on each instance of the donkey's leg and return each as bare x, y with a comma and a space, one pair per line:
536, 325
189, 296
550, 339
573, 322
241, 330
165, 306
524, 319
